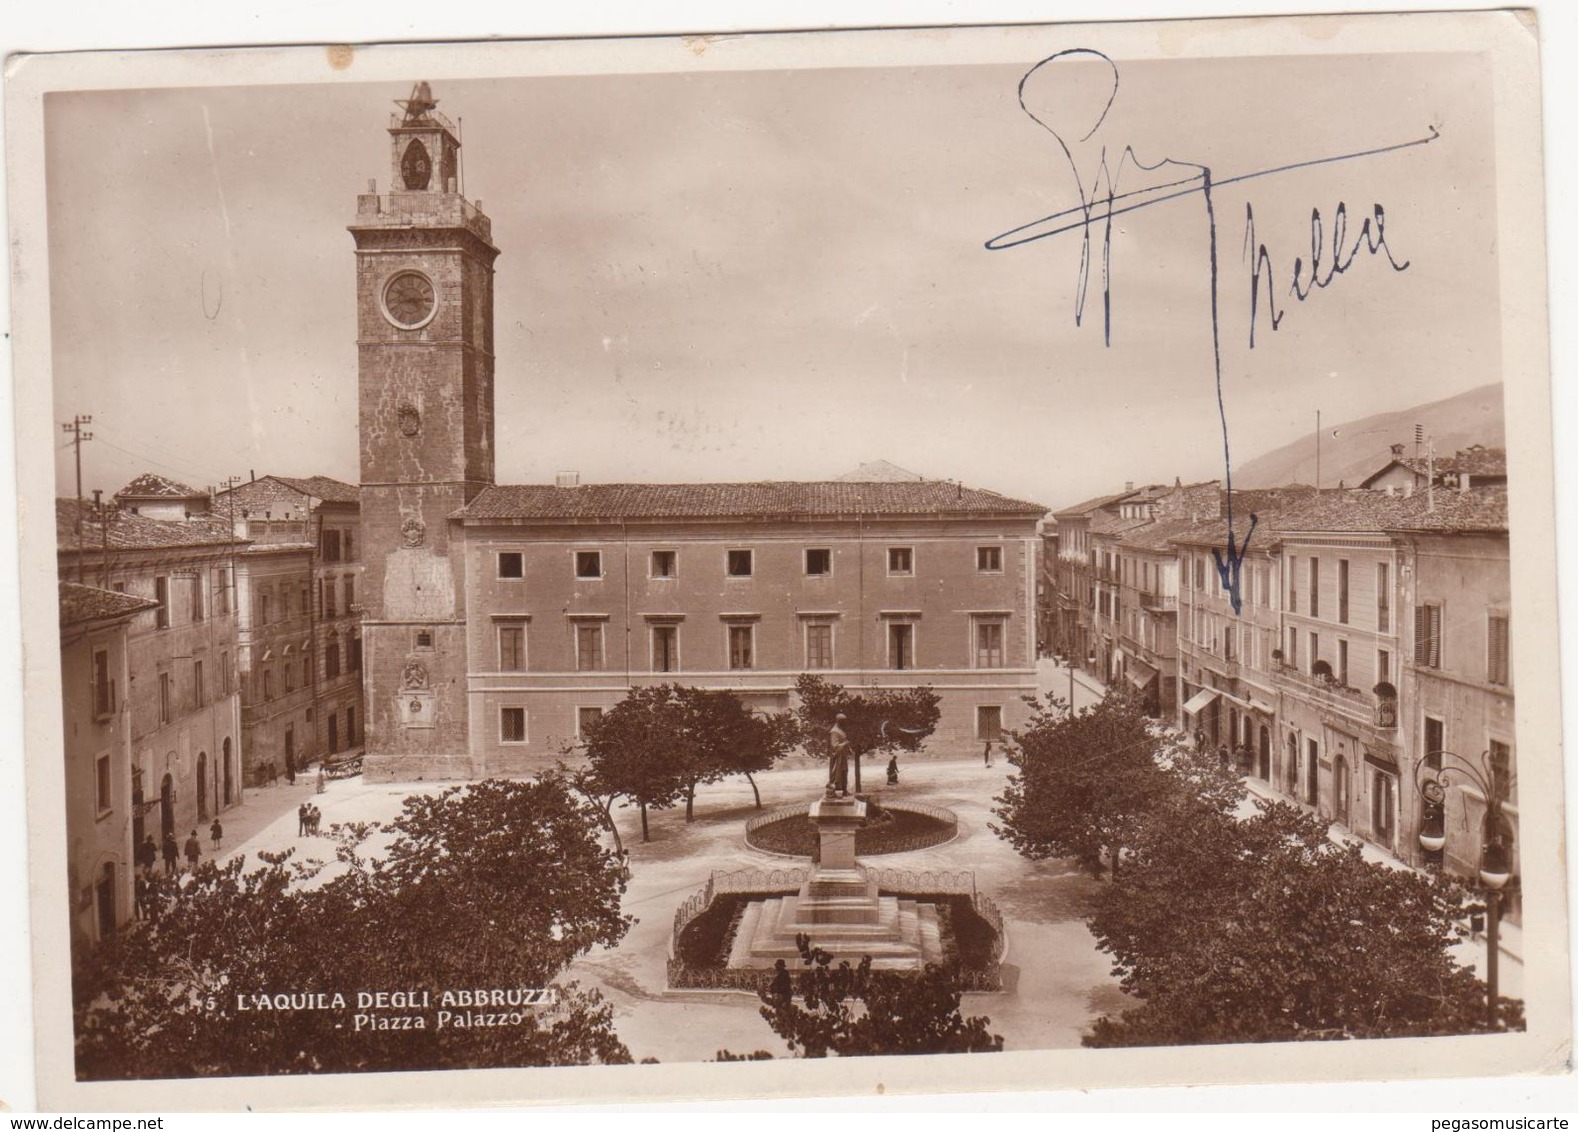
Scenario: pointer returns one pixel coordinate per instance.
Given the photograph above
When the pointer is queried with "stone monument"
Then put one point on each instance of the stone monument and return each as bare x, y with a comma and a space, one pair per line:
839, 907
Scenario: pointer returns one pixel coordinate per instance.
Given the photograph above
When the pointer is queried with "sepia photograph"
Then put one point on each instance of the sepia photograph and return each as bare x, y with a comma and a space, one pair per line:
786, 556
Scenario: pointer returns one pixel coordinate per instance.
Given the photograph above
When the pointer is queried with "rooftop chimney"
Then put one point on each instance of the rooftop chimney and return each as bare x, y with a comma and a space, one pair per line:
567, 479
1397, 451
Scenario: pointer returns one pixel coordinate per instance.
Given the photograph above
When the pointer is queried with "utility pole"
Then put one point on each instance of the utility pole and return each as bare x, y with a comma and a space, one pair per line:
1317, 449
77, 437
1430, 477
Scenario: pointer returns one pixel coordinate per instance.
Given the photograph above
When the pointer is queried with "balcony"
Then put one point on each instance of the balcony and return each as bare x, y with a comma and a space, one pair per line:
1328, 692
1159, 602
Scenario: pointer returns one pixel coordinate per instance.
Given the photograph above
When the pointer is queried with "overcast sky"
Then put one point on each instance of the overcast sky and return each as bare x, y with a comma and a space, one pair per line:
779, 275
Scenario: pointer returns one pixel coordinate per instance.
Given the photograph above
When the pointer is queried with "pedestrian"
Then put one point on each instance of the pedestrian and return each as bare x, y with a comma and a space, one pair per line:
147, 854
893, 771
290, 768
194, 849
1221, 754
781, 987
1199, 739
323, 779
313, 814
171, 850
217, 832
301, 819
140, 904
624, 864
986, 753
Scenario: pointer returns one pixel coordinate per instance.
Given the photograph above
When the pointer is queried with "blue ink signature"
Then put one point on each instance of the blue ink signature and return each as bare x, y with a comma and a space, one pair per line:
1102, 201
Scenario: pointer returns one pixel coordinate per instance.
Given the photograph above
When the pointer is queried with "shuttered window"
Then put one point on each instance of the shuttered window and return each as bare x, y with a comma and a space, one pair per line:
1498, 660
1427, 636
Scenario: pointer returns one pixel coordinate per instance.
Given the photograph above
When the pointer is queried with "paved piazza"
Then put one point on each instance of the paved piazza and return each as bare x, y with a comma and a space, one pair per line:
1056, 981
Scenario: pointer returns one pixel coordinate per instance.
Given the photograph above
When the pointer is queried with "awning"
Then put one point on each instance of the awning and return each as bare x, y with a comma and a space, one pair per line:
1262, 707
1201, 700
1140, 674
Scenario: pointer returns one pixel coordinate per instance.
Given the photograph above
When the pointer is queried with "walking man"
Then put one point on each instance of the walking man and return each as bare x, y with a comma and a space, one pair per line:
301, 819
147, 854
987, 752
171, 851
194, 850
217, 832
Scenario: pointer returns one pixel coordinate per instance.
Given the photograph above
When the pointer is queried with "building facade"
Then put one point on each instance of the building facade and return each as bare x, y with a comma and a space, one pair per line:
580, 593
297, 583
95, 674
160, 543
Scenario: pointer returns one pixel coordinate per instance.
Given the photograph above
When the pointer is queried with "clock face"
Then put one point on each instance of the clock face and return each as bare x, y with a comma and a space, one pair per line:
409, 300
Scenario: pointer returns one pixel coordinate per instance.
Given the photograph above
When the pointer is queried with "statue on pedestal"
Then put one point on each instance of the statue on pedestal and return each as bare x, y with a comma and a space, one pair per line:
838, 761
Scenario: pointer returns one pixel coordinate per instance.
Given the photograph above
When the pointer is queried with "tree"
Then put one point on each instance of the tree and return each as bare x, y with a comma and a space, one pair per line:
1085, 781
1264, 929
854, 1011
876, 722
660, 743
464, 891
633, 751
731, 739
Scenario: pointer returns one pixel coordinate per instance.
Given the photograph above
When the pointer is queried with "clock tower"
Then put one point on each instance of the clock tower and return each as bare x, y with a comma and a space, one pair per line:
424, 290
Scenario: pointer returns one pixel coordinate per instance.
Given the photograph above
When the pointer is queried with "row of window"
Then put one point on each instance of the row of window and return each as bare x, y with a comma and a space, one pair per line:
104, 686
987, 637
194, 585
741, 562
512, 722
288, 668
335, 596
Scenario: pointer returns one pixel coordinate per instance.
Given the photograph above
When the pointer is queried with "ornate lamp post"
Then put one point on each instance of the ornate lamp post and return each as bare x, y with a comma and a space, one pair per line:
1437, 773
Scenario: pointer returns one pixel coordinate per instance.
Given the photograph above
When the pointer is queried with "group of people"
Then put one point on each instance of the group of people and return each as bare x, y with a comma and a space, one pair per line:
148, 855
1240, 758
307, 818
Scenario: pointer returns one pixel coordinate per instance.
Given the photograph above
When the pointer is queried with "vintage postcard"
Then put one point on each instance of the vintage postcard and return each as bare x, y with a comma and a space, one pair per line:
791, 557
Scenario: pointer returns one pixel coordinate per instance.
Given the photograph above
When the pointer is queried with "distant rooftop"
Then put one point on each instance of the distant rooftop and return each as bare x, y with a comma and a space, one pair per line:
879, 471
742, 500
151, 485
121, 529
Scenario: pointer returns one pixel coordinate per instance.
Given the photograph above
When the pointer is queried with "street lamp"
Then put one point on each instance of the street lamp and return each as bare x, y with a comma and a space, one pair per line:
1434, 775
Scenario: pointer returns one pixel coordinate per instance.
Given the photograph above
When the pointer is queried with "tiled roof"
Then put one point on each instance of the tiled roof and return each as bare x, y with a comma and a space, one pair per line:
739, 500
79, 604
1478, 509
151, 485
324, 488
126, 531
1089, 505
879, 471
1106, 523
1477, 460
1158, 536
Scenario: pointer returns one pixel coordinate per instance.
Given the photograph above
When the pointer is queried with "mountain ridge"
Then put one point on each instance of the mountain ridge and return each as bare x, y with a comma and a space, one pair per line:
1353, 450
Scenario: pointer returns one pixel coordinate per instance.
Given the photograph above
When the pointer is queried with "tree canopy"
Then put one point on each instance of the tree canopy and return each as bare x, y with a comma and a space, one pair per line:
464, 891
661, 742
852, 1011
877, 722
1086, 781
1264, 929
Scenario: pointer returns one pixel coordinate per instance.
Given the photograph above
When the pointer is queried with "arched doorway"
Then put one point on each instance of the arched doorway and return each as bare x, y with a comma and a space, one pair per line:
202, 786
228, 773
1339, 791
167, 807
1265, 753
